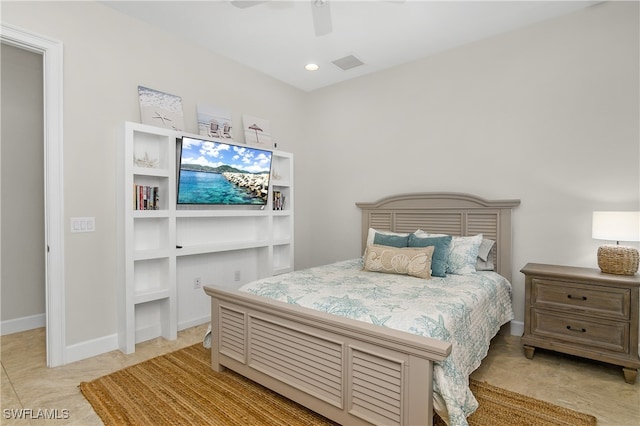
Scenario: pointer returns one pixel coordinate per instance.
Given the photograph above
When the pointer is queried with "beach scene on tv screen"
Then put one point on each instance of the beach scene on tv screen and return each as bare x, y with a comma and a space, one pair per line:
220, 173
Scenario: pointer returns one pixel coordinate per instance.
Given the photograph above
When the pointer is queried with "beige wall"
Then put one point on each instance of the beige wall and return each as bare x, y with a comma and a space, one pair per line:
106, 56
548, 114
22, 288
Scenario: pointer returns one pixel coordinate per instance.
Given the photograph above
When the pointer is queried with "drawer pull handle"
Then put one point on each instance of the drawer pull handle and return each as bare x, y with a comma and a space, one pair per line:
576, 298
577, 330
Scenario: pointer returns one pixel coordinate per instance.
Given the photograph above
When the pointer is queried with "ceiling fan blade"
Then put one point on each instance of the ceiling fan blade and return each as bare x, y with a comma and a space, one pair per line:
321, 13
243, 4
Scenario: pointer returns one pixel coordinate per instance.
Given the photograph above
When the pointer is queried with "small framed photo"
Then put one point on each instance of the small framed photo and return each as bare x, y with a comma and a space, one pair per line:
214, 122
160, 109
257, 131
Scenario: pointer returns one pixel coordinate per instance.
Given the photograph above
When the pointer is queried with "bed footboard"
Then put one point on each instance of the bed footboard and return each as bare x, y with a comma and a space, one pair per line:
349, 371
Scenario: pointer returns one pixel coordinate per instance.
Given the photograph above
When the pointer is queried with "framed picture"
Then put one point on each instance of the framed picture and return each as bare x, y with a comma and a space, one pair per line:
214, 122
257, 131
160, 109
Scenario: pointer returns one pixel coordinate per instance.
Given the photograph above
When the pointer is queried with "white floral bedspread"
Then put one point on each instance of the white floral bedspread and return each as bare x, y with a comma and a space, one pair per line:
466, 310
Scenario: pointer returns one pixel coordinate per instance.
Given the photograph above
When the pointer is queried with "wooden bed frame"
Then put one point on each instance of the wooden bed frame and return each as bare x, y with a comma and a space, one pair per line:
350, 371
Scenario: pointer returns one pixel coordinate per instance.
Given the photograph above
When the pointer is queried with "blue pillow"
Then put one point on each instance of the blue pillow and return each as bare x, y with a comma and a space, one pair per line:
440, 256
391, 240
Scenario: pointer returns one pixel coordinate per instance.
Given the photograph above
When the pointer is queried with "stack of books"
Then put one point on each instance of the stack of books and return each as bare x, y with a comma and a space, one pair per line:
278, 200
146, 197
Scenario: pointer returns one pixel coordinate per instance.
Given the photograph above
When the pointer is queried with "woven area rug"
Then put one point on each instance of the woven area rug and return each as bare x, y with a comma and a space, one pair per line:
181, 389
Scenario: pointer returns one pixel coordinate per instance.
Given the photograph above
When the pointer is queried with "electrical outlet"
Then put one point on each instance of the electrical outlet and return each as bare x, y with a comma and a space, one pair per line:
197, 283
236, 276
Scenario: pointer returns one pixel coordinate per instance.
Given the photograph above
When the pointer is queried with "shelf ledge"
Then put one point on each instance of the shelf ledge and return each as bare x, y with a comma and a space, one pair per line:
150, 214
152, 254
220, 247
151, 295
149, 171
220, 213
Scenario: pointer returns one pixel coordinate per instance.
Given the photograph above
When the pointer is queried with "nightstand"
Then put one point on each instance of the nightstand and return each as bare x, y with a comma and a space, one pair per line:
583, 312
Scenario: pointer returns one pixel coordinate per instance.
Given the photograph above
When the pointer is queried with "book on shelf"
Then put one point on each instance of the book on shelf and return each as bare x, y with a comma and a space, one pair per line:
278, 200
146, 197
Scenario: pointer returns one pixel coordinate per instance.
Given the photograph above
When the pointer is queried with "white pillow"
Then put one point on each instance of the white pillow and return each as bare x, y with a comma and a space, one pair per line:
424, 234
463, 254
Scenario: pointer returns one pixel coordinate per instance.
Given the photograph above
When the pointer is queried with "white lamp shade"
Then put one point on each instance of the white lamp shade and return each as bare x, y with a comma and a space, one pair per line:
616, 226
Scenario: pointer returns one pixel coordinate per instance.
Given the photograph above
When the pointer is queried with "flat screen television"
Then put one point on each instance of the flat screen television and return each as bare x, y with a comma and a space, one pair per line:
222, 174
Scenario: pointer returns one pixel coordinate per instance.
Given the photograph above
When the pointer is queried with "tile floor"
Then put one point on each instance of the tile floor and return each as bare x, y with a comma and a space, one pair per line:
583, 385
590, 387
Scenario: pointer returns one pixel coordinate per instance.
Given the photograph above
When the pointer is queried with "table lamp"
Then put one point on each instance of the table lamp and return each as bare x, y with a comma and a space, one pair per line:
617, 226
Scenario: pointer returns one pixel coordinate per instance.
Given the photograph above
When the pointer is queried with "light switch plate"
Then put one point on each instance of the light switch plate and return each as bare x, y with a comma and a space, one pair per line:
83, 224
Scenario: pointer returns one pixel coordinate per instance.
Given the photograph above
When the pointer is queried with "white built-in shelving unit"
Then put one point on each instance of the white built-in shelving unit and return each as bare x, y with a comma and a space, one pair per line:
162, 252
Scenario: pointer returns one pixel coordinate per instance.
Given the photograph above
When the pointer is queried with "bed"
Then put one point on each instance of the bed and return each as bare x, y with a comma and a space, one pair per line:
340, 354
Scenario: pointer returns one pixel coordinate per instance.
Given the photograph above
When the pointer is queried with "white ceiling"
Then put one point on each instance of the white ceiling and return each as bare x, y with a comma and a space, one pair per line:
277, 37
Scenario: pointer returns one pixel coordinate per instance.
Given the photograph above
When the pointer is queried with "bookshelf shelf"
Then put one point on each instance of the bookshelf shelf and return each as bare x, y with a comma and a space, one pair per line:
149, 171
151, 254
221, 247
150, 214
221, 213
151, 296
163, 251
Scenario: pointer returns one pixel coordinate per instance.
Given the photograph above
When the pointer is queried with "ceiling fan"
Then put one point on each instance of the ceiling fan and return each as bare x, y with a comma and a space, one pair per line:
320, 11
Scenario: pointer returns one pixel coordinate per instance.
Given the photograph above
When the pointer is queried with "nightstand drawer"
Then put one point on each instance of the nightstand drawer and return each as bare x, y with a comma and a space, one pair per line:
610, 336
608, 302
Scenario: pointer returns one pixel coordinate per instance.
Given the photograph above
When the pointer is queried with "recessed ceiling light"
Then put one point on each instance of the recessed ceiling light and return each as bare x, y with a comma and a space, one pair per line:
311, 67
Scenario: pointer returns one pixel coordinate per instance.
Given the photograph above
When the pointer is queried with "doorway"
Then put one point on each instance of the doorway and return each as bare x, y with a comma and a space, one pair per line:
23, 256
51, 51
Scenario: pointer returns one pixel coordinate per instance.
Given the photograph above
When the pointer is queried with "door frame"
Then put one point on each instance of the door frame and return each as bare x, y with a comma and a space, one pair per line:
51, 51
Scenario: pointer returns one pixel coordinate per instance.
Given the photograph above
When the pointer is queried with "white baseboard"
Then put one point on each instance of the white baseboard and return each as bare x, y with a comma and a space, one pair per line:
90, 348
194, 322
22, 324
517, 328
147, 333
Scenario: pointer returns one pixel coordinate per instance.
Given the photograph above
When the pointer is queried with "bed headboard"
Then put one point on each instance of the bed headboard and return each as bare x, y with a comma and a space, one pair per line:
446, 213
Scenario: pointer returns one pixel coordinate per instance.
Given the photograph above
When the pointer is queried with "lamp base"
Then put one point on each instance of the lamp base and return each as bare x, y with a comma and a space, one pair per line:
620, 260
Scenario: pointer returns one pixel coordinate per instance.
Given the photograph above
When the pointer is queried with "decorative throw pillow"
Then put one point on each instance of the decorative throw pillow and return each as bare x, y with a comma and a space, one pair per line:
485, 249
484, 262
440, 253
482, 265
463, 254
486, 255
391, 240
387, 238
414, 261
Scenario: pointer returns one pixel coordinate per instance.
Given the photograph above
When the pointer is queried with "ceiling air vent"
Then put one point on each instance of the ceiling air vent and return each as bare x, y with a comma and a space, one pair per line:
347, 62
